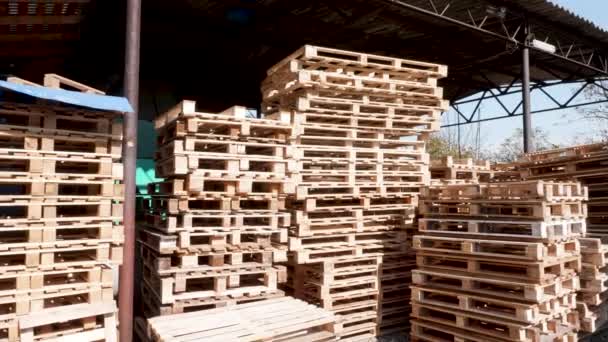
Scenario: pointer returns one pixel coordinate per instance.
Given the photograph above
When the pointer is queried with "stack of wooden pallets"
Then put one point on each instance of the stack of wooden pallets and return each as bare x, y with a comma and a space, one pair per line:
281, 319
594, 284
498, 262
587, 164
60, 219
208, 238
460, 171
358, 152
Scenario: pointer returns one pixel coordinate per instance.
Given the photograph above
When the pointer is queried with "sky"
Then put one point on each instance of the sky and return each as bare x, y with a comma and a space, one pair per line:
563, 127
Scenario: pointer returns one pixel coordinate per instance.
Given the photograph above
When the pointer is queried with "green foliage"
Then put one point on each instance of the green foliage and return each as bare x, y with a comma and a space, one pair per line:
439, 146
512, 148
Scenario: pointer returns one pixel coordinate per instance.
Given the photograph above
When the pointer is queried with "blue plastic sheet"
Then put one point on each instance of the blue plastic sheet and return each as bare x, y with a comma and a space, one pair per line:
101, 102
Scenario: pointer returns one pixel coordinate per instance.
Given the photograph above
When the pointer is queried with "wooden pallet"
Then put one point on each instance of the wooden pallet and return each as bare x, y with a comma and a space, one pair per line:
234, 256
408, 155
22, 210
209, 146
452, 176
505, 209
213, 241
520, 191
463, 164
351, 221
153, 306
233, 123
187, 285
321, 58
360, 174
358, 326
209, 220
317, 254
257, 168
227, 185
32, 141
65, 254
392, 124
356, 203
566, 153
17, 163
299, 74
523, 251
54, 279
348, 102
342, 240
584, 165
24, 187
236, 116
81, 322
495, 308
213, 203
541, 271
311, 135
279, 319
328, 272
58, 120
430, 331
334, 190
503, 229
41, 237
498, 287
497, 328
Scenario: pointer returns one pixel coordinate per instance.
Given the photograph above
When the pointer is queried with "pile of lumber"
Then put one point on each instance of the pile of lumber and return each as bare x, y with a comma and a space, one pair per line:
281, 319
60, 219
498, 262
215, 224
360, 122
587, 164
460, 171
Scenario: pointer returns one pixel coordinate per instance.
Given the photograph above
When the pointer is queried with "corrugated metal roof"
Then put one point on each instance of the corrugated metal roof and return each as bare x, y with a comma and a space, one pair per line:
564, 17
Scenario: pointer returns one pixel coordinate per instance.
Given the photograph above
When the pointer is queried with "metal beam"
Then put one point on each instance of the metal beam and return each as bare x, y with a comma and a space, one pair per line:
131, 89
559, 104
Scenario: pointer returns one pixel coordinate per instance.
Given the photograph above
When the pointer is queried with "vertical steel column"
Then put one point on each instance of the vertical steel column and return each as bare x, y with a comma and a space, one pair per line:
528, 132
131, 89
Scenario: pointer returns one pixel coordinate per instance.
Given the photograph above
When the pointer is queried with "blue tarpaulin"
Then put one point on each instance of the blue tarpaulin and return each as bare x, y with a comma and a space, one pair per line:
101, 102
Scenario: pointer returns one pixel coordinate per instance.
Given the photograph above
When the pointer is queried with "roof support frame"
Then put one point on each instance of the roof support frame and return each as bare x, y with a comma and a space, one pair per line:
469, 115
505, 35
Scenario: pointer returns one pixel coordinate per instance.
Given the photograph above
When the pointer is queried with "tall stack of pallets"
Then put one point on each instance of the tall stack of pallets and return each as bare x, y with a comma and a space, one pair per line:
358, 154
60, 219
587, 164
498, 262
215, 224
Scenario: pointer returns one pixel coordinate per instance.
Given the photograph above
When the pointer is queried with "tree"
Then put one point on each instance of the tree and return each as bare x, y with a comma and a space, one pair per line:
441, 145
597, 114
512, 148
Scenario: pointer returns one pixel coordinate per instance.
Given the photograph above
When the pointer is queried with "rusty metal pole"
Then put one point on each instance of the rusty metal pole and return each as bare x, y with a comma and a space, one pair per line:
528, 130
131, 89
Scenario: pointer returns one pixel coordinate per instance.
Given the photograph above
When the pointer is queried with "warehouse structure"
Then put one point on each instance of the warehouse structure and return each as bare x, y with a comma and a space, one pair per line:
216, 52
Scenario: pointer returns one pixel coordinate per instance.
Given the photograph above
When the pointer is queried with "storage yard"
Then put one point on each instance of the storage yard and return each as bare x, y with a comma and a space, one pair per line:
290, 189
